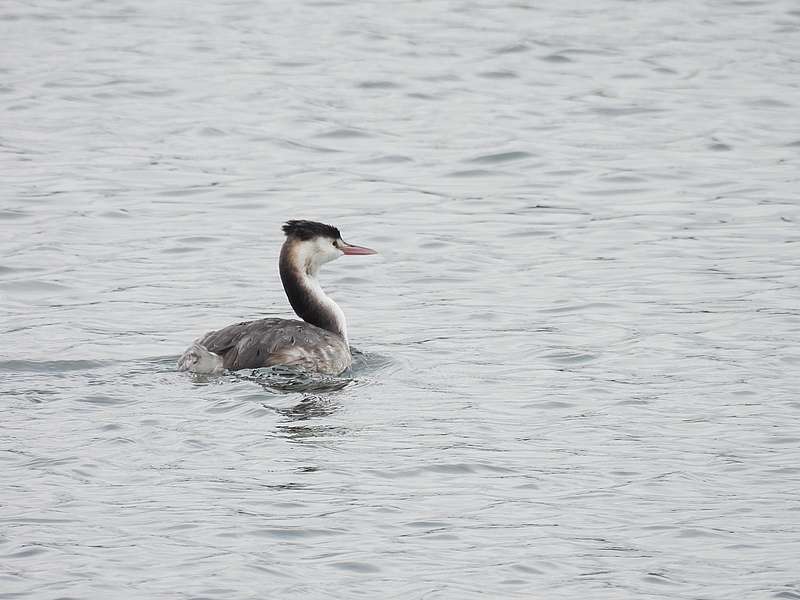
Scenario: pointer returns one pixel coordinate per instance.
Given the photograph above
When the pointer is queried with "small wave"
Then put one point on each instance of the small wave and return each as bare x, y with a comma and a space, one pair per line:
49, 366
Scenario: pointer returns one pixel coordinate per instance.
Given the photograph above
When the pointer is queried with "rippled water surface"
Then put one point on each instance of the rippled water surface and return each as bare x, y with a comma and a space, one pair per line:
579, 345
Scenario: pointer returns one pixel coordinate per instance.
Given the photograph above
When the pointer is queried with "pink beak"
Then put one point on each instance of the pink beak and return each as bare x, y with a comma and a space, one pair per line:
350, 249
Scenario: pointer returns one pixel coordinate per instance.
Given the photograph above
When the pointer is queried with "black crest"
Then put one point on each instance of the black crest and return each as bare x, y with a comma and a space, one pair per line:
308, 230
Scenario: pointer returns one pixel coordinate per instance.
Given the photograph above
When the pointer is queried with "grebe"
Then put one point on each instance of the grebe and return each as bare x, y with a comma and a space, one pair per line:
317, 343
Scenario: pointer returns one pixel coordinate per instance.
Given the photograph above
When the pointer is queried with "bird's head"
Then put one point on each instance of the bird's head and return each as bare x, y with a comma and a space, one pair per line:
313, 244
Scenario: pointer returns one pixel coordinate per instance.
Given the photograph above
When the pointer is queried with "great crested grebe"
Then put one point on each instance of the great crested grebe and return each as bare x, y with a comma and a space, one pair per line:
317, 343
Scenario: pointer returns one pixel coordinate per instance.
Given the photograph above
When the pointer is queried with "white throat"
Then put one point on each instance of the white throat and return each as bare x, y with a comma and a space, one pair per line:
317, 294
299, 264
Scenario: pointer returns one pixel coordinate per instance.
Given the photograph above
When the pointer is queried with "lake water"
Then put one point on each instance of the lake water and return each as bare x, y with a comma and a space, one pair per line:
579, 345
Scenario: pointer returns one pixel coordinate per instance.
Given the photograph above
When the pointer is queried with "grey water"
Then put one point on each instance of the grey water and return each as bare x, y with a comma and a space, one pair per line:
578, 349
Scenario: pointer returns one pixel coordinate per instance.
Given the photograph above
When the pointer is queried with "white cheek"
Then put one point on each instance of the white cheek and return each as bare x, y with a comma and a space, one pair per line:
331, 252
318, 253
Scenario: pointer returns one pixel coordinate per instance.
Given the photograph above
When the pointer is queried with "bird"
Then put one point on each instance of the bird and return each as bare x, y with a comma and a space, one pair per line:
316, 344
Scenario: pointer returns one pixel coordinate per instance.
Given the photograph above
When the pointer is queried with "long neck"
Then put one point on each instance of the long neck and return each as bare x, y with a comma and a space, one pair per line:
298, 275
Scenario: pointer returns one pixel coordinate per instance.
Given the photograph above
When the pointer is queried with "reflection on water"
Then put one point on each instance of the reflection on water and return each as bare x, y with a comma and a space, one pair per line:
302, 424
308, 408
579, 342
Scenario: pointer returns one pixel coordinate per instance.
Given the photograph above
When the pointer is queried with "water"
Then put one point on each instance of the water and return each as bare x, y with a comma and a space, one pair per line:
579, 343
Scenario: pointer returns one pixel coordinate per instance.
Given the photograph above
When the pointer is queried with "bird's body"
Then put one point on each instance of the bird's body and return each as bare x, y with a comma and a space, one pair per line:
270, 342
318, 343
